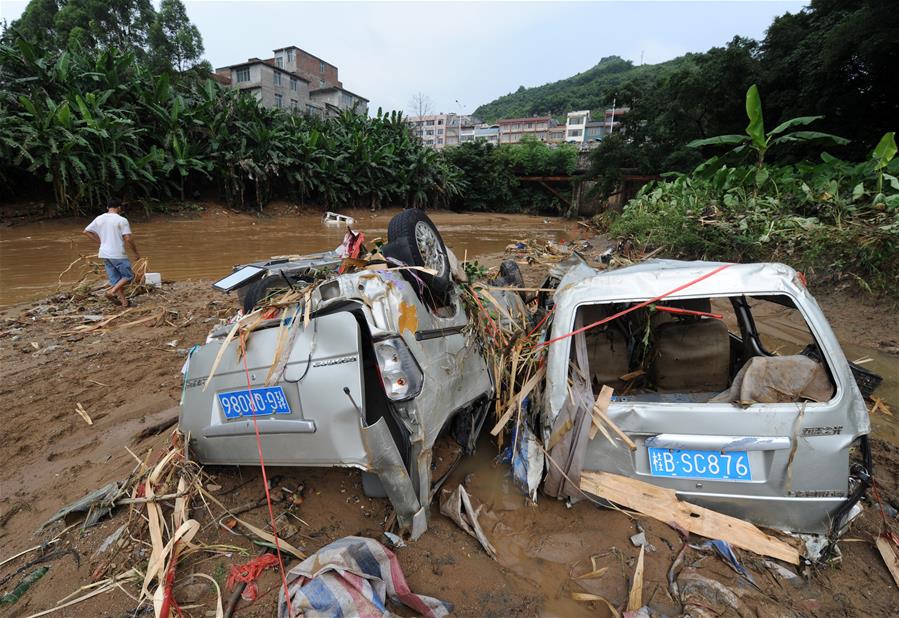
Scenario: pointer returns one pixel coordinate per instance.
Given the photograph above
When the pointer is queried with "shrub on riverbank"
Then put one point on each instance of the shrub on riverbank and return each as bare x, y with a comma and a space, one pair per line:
491, 175
835, 219
829, 220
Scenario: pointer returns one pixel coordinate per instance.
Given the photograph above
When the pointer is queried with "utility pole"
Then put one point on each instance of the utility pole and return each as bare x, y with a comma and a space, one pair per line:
612, 124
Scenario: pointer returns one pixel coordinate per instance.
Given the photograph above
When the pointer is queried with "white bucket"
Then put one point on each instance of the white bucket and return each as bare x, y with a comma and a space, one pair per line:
153, 279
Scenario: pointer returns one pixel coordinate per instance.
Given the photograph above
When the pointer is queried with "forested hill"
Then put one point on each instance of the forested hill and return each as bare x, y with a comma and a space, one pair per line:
592, 89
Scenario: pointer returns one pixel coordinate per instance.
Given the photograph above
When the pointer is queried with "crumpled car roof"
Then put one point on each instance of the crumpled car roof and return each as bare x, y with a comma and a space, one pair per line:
656, 277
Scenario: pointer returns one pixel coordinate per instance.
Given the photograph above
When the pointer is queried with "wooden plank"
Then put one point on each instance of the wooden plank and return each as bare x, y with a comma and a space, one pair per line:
889, 557
562, 431
601, 405
556, 193
513, 403
663, 504
635, 598
599, 414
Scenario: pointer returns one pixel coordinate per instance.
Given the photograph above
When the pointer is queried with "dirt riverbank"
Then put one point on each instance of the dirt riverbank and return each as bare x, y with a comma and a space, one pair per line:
126, 377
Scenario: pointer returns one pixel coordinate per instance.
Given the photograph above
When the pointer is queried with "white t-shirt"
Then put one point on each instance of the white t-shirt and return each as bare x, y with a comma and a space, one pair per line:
110, 227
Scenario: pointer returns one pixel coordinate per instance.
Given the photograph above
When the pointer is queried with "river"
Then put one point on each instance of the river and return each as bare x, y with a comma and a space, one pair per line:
206, 247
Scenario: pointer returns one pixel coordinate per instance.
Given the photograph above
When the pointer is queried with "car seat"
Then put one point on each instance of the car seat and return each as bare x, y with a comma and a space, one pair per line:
690, 353
608, 353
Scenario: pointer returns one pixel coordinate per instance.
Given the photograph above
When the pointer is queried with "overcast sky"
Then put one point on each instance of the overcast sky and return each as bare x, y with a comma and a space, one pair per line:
465, 52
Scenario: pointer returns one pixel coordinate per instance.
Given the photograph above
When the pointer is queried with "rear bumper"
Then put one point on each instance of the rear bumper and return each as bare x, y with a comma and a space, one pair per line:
808, 515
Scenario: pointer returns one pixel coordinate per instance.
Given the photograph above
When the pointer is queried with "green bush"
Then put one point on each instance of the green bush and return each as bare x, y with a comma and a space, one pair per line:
491, 175
92, 124
834, 220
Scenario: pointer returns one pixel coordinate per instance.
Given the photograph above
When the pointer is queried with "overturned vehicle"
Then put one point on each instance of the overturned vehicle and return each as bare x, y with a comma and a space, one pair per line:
729, 387
362, 369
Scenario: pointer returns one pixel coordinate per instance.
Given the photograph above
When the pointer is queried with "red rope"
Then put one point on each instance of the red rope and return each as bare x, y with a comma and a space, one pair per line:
540, 323
168, 597
268, 497
248, 572
635, 307
494, 328
679, 311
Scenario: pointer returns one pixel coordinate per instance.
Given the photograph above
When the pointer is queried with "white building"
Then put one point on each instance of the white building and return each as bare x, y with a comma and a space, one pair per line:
439, 130
575, 126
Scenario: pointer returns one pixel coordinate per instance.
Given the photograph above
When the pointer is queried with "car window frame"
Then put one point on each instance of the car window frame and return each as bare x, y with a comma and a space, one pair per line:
811, 406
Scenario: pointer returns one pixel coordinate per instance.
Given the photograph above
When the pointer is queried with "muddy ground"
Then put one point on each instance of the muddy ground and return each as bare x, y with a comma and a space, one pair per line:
127, 379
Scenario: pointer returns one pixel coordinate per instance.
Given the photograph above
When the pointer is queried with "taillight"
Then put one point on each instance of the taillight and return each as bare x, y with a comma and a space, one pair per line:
400, 374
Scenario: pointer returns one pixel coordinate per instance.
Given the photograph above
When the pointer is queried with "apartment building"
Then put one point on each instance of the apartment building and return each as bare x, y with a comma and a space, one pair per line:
512, 130
442, 130
484, 132
320, 73
271, 85
575, 125
555, 135
337, 99
581, 129
430, 129
293, 79
439, 130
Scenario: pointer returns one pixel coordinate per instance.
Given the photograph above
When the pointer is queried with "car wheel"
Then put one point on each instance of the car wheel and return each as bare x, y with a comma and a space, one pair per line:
262, 289
413, 234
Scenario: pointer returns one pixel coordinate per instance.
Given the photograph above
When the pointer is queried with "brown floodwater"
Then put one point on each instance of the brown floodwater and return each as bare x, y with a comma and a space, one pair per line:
32, 256
206, 247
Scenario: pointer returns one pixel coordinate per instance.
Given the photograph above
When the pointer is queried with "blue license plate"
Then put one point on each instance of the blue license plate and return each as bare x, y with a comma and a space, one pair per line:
260, 401
677, 463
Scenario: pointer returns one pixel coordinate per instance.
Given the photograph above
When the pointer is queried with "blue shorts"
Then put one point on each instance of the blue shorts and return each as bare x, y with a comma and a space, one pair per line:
116, 270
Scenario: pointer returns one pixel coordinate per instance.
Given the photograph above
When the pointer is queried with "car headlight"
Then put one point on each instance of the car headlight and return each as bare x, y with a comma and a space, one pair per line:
400, 373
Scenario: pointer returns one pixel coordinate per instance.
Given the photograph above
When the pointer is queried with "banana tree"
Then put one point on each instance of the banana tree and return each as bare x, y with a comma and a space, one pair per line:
756, 139
882, 155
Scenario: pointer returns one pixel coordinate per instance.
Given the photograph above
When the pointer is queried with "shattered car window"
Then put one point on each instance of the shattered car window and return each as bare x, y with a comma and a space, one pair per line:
732, 349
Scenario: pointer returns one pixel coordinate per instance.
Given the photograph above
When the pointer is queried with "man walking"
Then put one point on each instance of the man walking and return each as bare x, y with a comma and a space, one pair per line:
112, 231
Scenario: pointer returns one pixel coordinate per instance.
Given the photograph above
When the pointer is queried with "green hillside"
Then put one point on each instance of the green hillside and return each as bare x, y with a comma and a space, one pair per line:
593, 89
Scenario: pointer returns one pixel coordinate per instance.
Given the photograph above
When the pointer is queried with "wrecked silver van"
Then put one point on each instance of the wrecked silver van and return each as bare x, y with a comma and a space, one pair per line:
728, 382
366, 372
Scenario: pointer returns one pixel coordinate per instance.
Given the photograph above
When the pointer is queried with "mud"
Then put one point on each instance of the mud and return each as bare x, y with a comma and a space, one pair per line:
128, 380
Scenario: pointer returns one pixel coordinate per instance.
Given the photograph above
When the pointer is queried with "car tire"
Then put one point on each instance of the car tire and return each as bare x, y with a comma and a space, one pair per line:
261, 289
413, 239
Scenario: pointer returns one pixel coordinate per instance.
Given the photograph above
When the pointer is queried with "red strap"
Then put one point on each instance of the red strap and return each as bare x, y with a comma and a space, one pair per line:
635, 307
679, 311
268, 497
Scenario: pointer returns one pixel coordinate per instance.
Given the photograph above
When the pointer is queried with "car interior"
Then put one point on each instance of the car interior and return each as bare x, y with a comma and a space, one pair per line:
706, 350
